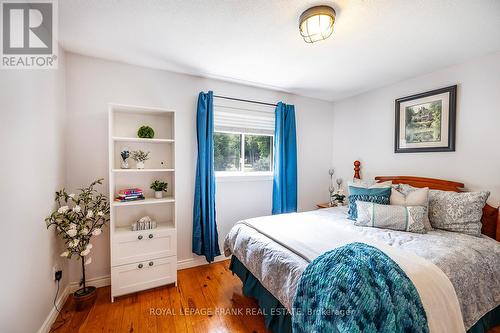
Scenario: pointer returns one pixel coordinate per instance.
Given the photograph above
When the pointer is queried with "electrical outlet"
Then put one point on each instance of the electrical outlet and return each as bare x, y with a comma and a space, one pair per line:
56, 273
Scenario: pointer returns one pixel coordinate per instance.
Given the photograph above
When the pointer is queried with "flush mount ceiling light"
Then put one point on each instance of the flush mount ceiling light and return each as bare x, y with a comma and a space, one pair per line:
316, 23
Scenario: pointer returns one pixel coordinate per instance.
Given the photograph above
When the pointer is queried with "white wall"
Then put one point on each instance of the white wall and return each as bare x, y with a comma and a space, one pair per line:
32, 168
363, 128
92, 83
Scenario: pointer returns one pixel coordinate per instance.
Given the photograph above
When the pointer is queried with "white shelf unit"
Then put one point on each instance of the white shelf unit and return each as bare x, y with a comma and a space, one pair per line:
146, 258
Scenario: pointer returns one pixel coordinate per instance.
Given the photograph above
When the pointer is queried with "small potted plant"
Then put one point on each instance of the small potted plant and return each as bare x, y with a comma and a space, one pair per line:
159, 187
125, 154
76, 219
338, 197
146, 132
140, 157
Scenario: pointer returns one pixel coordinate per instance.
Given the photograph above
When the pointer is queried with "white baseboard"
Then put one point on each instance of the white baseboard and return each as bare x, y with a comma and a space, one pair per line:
198, 261
51, 318
98, 282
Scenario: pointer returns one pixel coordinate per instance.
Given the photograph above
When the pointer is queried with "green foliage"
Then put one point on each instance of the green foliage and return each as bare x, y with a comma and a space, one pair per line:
227, 151
257, 152
140, 156
146, 132
158, 186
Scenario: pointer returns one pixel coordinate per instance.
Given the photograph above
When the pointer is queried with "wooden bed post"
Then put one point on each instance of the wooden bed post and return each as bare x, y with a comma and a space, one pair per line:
356, 169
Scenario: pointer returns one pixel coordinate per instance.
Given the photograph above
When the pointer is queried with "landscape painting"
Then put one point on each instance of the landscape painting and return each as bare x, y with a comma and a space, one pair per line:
426, 122
423, 122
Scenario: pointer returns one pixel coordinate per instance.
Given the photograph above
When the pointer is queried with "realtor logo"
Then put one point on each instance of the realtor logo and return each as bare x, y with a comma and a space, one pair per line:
29, 34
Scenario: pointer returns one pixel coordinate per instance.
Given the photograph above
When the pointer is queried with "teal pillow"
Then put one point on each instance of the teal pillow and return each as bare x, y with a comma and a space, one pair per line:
376, 195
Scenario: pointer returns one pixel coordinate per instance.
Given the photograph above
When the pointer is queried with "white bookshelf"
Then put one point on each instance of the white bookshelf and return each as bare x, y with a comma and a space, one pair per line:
142, 259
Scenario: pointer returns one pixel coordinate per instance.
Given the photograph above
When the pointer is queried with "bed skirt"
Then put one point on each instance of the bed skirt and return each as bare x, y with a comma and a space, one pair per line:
279, 320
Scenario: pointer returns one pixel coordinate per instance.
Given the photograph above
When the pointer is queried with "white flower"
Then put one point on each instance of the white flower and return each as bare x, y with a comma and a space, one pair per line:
84, 231
90, 214
89, 246
63, 209
77, 209
100, 213
88, 261
72, 232
96, 232
74, 243
72, 226
64, 254
85, 252
72, 195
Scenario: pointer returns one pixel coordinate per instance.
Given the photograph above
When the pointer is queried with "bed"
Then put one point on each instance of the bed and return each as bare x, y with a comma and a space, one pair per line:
270, 253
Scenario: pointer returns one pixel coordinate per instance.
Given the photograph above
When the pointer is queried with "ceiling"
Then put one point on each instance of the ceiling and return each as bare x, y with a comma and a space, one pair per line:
257, 42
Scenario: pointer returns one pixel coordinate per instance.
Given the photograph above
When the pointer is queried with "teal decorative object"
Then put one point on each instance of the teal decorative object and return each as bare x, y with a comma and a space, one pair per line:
357, 288
376, 195
146, 132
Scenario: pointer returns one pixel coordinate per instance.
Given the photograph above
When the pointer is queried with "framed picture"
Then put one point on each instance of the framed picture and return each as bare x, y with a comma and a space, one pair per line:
426, 122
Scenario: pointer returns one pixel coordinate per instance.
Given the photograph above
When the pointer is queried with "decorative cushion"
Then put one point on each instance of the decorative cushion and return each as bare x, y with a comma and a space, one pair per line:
412, 197
457, 211
404, 218
367, 183
377, 195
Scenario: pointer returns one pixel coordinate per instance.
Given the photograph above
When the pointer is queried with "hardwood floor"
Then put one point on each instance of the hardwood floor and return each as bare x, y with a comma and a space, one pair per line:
208, 299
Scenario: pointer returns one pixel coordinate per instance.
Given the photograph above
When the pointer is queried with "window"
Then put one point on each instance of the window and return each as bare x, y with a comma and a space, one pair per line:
229, 148
243, 140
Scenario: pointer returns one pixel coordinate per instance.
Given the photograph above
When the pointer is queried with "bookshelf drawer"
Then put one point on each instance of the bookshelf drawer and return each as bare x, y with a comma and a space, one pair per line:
135, 246
143, 275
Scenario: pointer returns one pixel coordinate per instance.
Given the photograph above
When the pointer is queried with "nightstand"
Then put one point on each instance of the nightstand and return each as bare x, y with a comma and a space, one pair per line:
323, 205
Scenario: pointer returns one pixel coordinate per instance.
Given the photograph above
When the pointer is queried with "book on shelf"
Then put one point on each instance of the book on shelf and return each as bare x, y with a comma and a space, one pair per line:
130, 191
129, 194
118, 199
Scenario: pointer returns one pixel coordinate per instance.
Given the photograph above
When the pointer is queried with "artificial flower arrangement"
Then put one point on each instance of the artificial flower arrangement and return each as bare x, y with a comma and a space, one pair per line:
125, 154
140, 157
338, 197
76, 220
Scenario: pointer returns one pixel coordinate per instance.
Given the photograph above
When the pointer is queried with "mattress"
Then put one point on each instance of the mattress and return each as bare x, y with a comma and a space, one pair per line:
471, 264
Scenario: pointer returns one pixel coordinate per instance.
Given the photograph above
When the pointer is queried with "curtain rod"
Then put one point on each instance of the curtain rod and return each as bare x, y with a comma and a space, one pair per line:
244, 100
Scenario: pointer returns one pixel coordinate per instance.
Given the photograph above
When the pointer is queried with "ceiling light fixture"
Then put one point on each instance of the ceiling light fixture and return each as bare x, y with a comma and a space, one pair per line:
316, 23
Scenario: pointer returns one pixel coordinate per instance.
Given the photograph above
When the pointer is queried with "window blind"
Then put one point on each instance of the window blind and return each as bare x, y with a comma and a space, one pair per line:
244, 120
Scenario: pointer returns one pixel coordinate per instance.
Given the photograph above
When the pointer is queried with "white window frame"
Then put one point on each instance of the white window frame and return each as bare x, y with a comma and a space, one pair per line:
227, 176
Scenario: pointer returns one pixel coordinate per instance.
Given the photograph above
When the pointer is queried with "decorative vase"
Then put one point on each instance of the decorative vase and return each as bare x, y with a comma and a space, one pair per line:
158, 194
140, 165
124, 164
84, 298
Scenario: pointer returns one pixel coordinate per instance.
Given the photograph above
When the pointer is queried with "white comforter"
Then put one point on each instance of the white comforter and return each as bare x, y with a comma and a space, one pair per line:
308, 236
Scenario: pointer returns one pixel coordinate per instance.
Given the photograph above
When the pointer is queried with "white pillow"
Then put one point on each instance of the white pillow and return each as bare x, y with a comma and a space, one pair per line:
404, 218
418, 197
369, 184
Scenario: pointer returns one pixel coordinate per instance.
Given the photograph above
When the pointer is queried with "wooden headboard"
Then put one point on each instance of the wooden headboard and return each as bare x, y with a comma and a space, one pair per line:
491, 216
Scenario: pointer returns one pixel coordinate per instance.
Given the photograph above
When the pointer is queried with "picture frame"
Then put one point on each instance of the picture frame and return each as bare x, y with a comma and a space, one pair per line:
426, 122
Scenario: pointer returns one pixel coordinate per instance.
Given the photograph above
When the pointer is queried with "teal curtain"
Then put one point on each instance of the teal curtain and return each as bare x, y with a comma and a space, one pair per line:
205, 237
285, 160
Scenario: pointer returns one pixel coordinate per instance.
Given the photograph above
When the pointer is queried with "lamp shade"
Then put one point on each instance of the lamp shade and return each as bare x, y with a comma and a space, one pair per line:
316, 23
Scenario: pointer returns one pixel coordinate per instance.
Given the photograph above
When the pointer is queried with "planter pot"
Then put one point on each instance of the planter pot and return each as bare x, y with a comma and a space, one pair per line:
124, 164
158, 194
84, 298
140, 165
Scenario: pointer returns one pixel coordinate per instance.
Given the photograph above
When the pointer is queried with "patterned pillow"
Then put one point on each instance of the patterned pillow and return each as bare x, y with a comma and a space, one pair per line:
406, 195
404, 218
457, 211
377, 195
368, 184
